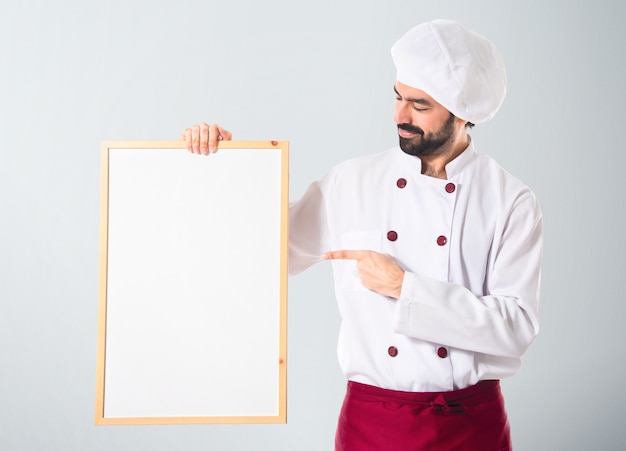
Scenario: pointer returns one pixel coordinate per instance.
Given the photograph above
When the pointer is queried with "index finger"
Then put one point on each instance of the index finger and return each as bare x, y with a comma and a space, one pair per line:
345, 255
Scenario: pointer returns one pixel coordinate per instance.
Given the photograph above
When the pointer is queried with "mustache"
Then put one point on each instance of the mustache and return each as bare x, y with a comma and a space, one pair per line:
411, 128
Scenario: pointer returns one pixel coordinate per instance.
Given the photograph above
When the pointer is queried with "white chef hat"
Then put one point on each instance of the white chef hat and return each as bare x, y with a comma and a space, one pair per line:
458, 68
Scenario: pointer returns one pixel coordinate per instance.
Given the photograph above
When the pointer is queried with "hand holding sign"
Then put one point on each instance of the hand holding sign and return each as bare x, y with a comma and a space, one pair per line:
203, 138
379, 272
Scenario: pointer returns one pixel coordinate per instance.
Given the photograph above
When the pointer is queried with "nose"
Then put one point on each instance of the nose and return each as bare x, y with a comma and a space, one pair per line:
402, 114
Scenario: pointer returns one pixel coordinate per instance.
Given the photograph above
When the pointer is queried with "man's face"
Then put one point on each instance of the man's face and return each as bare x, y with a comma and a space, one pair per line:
424, 125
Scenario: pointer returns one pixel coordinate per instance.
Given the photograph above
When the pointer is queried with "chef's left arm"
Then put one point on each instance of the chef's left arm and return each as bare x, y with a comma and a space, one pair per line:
502, 322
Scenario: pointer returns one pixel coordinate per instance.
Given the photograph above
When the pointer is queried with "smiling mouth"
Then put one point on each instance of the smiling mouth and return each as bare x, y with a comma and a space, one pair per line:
409, 131
406, 134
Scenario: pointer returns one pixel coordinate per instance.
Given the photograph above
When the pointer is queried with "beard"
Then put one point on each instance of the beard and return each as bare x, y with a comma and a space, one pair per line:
426, 144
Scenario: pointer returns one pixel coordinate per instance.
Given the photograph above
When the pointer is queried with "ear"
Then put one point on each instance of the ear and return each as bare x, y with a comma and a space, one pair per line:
461, 123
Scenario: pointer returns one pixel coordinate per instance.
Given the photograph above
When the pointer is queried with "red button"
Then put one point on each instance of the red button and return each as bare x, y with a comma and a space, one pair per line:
401, 183
450, 188
442, 352
392, 236
442, 240
392, 351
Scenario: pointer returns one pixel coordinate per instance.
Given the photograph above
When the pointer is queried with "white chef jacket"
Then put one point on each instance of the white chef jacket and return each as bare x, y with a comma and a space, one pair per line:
471, 249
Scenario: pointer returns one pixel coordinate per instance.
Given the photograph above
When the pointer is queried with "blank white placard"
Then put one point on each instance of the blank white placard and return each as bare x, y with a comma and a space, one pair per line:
194, 287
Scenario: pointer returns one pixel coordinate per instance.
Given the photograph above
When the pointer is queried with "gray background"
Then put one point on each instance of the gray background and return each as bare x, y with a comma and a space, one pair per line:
318, 74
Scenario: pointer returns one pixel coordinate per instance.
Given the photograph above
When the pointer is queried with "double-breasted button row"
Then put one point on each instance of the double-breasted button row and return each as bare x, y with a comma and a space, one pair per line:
442, 240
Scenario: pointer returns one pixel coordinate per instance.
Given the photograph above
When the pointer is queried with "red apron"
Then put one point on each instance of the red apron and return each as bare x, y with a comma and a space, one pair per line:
376, 419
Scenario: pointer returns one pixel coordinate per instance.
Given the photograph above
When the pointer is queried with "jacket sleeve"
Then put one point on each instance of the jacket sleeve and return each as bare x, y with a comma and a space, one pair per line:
308, 230
503, 322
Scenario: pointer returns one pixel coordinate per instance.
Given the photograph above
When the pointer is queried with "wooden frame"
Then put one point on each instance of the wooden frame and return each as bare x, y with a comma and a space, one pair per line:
192, 316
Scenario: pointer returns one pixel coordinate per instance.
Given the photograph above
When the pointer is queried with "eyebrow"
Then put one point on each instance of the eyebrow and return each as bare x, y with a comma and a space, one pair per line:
419, 100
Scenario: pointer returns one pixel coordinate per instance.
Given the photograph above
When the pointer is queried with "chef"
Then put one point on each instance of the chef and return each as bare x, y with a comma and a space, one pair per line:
436, 254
